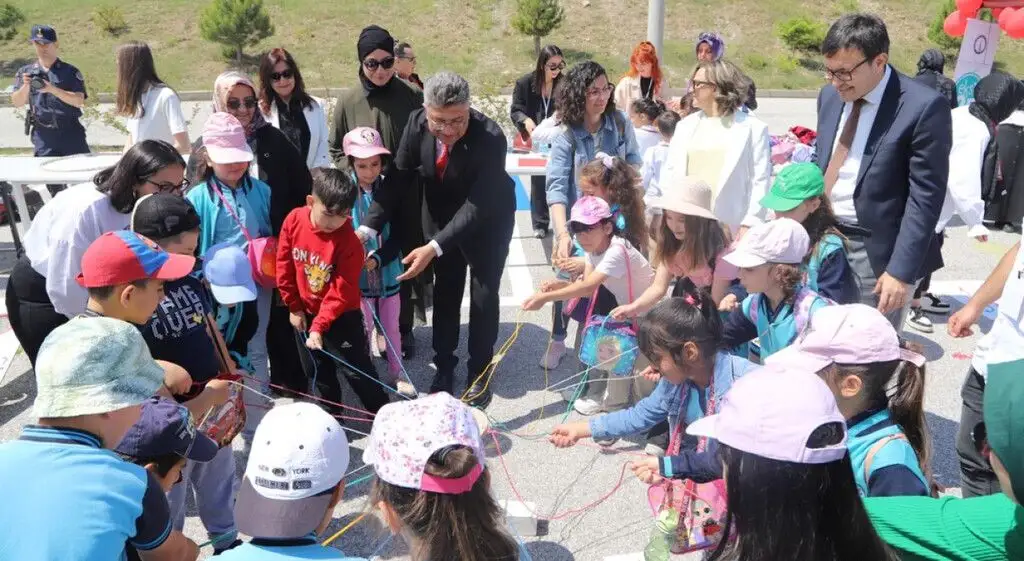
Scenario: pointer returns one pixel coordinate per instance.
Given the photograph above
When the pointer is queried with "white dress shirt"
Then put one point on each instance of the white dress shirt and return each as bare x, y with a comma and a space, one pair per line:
963, 190
846, 184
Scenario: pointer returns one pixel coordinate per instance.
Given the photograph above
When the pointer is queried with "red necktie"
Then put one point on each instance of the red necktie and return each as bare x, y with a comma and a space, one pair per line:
442, 161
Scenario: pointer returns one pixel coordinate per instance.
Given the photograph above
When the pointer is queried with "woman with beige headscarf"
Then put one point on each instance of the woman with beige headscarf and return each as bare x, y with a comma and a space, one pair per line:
280, 165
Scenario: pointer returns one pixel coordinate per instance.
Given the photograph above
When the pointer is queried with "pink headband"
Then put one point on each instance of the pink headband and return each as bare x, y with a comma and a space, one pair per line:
456, 486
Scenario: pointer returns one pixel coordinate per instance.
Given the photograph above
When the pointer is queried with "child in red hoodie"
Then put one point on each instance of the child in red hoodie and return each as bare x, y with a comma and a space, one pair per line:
319, 260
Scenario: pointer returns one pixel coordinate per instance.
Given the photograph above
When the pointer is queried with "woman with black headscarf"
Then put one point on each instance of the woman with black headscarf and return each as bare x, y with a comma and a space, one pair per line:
973, 174
929, 73
383, 101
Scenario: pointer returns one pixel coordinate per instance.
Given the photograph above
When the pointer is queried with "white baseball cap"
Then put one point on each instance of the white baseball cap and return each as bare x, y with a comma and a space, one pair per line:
782, 240
299, 455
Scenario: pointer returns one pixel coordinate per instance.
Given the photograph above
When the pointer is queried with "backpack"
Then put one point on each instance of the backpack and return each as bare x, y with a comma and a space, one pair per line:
802, 303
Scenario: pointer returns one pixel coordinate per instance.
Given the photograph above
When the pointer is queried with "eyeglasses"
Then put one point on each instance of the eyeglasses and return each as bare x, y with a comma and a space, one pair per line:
703, 84
283, 75
843, 75
172, 188
600, 92
411, 59
235, 104
554, 67
386, 63
440, 124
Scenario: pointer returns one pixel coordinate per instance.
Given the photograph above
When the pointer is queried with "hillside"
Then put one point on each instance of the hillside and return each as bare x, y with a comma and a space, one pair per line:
472, 37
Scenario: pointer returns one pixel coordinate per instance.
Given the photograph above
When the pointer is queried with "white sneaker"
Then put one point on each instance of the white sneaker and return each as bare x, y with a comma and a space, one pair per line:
553, 356
586, 406
918, 320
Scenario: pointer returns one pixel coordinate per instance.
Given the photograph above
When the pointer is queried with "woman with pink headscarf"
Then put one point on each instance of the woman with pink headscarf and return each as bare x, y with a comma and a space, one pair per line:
280, 165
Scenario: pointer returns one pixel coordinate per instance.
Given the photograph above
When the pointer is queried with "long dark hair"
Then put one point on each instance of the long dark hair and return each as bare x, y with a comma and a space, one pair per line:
139, 163
267, 94
819, 223
538, 74
620, 180
705, 239
467, 527
136, 73
905, 405
796, 512
670, 324
571, 93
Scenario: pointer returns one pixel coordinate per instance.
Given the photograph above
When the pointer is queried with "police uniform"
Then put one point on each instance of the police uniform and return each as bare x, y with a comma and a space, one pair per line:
57, 130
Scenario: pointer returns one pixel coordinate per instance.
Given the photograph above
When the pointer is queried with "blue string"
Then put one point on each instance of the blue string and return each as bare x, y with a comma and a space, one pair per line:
525, 555
382, 544
387, 340
344, 363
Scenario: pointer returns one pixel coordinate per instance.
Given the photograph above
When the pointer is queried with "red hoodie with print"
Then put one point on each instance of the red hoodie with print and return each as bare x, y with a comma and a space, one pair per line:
318, 272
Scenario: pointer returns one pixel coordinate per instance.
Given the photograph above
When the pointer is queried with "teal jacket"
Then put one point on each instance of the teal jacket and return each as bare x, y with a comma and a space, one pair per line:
250, 202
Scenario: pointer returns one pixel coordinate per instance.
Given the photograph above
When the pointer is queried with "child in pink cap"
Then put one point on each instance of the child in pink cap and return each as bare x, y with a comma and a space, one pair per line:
379, 282
858, 354
616, 273
791, 494
429, 462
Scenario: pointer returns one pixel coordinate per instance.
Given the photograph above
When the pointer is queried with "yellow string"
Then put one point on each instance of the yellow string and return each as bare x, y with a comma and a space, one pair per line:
343, 530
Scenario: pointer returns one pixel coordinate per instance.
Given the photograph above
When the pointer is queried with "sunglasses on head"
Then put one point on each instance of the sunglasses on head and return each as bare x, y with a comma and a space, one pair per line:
236, 104
385, 63
283, 75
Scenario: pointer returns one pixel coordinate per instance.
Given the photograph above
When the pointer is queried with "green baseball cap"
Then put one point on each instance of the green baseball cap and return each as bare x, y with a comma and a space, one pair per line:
793, 185
1004, 418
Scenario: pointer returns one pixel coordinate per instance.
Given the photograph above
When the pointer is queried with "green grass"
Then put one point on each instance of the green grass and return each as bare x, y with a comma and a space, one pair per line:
472, 37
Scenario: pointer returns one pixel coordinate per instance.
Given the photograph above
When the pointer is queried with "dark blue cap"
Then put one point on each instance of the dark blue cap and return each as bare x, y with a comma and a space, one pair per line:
42, 34
163, 428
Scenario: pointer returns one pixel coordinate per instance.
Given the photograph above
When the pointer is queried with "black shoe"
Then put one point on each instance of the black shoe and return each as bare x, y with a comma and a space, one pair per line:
479, 396
408, 345
232, 545
933, 304
443, 383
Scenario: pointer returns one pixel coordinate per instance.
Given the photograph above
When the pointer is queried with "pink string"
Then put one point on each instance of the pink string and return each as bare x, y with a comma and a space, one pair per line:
567, 513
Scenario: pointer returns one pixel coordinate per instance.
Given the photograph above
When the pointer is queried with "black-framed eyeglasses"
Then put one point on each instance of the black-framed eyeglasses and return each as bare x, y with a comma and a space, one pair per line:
703, 84
554, 67
282, 75
172, 188
372, 64
843, 75
441, 124
235, 104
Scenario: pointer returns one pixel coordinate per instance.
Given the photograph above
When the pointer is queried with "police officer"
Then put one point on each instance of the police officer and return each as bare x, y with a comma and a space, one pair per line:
55, 91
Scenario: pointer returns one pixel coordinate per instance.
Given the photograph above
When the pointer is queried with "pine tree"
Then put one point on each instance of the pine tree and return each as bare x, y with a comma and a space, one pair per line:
10, 18
236, 24
537, 18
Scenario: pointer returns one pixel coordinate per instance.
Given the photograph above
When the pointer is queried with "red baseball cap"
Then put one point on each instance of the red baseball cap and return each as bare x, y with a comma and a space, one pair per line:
122, 256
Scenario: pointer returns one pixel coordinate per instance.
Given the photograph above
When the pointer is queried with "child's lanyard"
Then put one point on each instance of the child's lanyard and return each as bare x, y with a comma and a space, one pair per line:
675, 443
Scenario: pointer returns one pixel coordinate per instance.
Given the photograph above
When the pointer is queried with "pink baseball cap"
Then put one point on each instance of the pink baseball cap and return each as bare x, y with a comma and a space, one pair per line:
850, 334
406, 434
224, 139
772, 412
590, 211
363, 142
782, 240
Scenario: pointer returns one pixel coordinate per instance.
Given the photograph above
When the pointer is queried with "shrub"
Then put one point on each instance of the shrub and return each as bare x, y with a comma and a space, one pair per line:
235, 24
802, 34
537, 18
10, 18
935, 32
110, 19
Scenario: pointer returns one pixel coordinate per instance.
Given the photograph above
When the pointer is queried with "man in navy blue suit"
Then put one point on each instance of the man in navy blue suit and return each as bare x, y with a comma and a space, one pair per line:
883, 144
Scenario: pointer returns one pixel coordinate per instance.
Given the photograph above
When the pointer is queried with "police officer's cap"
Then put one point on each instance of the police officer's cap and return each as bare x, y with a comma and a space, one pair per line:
42, 34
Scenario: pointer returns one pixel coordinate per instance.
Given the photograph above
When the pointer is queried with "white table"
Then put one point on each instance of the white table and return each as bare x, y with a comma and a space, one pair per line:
526, 164
36, 173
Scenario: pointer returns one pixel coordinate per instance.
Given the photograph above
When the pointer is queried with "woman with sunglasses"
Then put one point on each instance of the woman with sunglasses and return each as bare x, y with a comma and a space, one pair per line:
532, 102
278, 164
384, 102
42, 292
724, 146
152, 110
286, 105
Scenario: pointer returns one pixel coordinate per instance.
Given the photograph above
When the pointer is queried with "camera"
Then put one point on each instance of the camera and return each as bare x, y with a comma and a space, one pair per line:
37, 79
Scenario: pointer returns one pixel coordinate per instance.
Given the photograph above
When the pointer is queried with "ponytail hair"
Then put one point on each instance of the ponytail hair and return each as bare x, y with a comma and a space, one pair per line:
690, 318
789, 277
621, 180
467, 527
905, 405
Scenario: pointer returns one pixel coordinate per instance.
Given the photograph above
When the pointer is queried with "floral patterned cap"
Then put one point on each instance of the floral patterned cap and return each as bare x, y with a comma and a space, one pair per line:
406, 434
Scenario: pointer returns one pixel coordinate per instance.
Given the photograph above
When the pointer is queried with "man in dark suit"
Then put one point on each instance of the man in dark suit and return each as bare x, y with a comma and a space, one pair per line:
468, 202
883, 144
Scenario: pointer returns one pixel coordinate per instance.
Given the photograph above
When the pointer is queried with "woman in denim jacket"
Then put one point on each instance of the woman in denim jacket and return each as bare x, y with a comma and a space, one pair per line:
590, 124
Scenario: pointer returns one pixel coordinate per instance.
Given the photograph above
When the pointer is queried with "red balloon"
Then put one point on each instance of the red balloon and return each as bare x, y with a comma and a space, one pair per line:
1005, 16
955, 24
996, 13
969, 8
1015, 26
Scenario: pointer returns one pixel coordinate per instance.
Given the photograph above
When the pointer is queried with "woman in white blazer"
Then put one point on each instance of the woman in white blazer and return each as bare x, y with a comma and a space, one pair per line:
286, 106
724, 146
